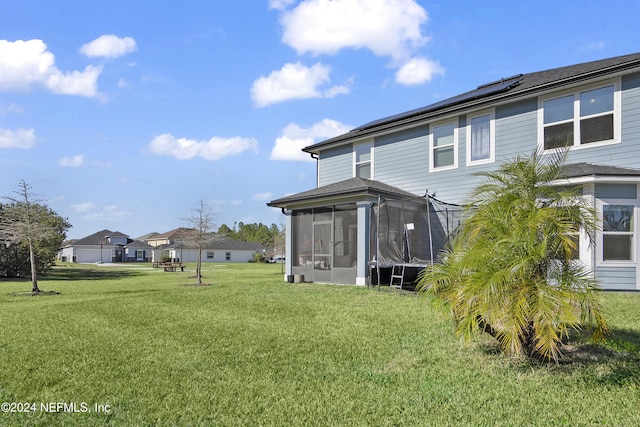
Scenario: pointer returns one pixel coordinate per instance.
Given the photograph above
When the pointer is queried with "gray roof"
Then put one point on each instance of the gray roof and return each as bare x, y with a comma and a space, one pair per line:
505, 89
577, 170
223, 243
138, 245
350, 187
98, 238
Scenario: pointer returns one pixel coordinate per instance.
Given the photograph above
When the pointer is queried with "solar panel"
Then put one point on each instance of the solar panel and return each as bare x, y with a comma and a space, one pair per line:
481, 92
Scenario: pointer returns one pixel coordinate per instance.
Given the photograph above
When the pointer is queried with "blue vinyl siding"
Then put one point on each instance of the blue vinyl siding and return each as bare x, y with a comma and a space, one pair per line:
402, 159
617, 278
335, 165
516, 129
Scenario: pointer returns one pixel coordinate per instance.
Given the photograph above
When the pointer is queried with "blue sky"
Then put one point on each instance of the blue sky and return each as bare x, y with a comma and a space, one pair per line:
124, 114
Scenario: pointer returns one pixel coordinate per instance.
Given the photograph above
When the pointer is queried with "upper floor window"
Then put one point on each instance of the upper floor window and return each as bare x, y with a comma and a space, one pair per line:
480, 139
580, 118
443, 145
362, 160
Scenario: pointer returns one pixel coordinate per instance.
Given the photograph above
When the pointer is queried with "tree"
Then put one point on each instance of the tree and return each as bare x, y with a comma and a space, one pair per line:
510, 270
27, 223
202, 222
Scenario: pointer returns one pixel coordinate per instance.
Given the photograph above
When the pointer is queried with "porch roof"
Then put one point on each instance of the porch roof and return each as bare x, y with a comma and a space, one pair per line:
578, 170
352, 187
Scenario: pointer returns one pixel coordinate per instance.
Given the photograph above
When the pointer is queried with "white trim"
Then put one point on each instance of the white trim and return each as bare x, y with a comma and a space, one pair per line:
492, 137
575, 92
600, 202
455, 144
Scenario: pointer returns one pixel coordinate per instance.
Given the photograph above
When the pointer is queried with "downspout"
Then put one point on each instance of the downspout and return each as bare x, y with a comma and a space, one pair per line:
315, 157
378, 242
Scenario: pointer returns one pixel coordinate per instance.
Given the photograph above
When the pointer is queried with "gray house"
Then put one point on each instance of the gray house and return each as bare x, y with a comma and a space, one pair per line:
387, 191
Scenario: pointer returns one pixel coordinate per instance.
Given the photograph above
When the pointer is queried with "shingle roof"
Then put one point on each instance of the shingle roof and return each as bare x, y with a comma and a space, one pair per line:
350, 187
98, 238
138, 244
222, 243
577, 170
173, 234
504, 89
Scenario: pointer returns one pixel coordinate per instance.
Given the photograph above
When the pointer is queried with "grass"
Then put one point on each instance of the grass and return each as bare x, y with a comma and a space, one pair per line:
253, 350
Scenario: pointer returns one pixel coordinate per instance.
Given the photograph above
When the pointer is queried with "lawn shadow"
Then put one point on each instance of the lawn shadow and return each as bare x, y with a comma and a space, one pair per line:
89, 274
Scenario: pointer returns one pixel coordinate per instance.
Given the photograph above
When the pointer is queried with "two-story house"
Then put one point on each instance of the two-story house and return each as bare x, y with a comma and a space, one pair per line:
369, 207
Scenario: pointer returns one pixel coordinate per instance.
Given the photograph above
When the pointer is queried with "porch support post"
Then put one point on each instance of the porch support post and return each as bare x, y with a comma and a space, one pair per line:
288, 244
362, 273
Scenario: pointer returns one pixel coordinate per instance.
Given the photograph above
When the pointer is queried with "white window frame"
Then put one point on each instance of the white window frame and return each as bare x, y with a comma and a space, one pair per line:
455, 144
617, 115
634, 243
211, 255
492, 137
227, 256
139, 255
355, 158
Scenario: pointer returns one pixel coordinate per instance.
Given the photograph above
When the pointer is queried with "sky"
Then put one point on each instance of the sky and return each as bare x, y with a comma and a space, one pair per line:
125, 114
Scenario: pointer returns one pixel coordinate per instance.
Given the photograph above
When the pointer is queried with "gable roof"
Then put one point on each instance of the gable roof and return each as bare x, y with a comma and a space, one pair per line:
138, 245
505, 89
173, 234
98, 238
347, 188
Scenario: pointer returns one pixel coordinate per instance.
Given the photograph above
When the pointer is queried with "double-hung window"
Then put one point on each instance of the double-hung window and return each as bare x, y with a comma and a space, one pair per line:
480, 139
581, 118
618, 209
443, 146
362, 160
618, 232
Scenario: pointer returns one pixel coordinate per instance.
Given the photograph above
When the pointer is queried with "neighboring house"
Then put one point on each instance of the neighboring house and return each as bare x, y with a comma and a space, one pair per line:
157, 239
105, 246
369, 207
221, 250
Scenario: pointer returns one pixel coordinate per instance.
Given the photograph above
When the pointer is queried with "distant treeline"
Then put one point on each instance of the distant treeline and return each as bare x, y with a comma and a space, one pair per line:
268, 236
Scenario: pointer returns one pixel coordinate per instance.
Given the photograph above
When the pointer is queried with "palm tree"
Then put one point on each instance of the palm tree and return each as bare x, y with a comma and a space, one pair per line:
510, 269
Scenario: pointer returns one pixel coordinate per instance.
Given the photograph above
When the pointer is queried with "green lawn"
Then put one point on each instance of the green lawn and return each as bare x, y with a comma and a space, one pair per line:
254, 350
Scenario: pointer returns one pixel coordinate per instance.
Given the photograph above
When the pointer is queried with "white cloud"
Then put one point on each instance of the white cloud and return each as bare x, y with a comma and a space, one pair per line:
107, 213
417, 71
102, 165
260, 197
83, 207
213, 149
12, 108
25, 65
294, 139
280, 4
388, 28
72, 162
294, 81
592, 46
19, 138
109, 46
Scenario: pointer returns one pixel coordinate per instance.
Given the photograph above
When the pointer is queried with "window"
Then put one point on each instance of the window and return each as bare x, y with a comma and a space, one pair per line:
443, 144
210, 254
480, 139
580, 118
227, 256
362, 160
617, 232
139, 255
